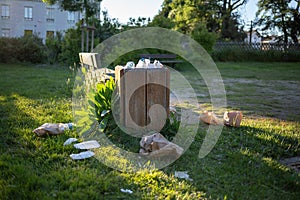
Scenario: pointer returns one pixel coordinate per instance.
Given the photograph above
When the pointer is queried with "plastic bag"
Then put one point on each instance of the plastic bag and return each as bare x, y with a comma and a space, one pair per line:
82, 155
52, 129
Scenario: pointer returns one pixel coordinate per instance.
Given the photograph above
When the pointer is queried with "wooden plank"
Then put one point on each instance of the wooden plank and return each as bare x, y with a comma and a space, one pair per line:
88, 59
157, 93
120, 87
135, 98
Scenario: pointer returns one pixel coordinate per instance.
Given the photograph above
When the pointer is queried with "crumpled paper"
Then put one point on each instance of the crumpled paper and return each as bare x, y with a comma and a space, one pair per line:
157, 146
233, 118
52, 129
230, 118
210, 118
183, 175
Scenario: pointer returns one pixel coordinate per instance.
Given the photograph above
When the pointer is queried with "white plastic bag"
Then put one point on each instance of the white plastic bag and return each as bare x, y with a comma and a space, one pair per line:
53, 129
82, 155
92, 144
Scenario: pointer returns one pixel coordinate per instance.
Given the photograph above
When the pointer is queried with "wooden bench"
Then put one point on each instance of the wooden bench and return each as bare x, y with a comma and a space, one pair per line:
89, 60
168, 59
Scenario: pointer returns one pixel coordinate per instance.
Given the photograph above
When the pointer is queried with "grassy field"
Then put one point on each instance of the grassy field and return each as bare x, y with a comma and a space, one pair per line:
243, 165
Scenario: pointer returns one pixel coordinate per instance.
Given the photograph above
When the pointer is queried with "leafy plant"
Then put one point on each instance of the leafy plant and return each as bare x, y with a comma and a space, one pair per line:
171, 126
103, 103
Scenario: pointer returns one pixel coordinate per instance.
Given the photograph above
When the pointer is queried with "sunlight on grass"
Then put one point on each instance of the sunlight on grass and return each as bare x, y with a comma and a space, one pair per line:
244, 164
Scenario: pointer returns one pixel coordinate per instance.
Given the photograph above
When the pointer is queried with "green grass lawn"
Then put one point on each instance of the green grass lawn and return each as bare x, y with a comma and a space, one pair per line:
244, 164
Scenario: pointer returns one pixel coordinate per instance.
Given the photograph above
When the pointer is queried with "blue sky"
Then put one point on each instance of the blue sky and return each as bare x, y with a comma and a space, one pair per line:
123, 9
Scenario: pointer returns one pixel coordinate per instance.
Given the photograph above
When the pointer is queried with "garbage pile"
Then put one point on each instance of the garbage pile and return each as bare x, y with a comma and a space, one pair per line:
230, 118
143, 63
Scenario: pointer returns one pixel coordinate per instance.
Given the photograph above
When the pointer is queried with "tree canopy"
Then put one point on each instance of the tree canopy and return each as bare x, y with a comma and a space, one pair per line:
219, 16
90, 7
282, 15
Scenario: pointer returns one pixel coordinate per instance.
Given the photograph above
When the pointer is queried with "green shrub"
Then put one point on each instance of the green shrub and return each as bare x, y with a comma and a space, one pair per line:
205, 38
54, 47
25, 49
8, 50
71, 46
239, 54
31, 50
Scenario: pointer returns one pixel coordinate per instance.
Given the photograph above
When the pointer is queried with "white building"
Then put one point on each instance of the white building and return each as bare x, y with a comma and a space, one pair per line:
27, 17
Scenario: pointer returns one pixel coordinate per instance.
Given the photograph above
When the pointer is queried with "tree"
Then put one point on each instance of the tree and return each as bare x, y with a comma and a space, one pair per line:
218, 15
282, 15
89, 7
229, 18
294, 23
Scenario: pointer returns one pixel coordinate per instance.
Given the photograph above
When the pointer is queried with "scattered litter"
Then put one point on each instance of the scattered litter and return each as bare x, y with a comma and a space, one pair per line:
53, 129
183, 175
130, 64
156, 145
210, 118
233, 118
82, 155
87, 145
126, 191
143, 63
70, 141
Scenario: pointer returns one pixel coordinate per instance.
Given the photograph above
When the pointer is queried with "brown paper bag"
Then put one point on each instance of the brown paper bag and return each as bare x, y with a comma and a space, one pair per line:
157, 146
233, 118
210, 118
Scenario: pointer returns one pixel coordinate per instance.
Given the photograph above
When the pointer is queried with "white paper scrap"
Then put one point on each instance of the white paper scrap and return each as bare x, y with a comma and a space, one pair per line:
87, 145
126, 191
70, 141
82, 155
183, 175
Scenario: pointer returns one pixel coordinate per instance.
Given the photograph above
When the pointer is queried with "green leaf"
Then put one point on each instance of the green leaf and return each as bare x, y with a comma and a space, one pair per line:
103, 124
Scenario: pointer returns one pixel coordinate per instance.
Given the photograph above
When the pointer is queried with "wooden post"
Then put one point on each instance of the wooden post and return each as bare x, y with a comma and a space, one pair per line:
87, 40
92, 42
82, 36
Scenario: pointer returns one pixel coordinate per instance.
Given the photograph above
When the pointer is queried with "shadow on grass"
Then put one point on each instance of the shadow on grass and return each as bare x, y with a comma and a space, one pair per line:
243, 165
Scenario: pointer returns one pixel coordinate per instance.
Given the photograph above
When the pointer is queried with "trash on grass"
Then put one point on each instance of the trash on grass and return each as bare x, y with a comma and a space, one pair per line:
210, 118
53, 129
233, 118
183, 175
70, 141
82, 155
156, 145
87, 145
126, 191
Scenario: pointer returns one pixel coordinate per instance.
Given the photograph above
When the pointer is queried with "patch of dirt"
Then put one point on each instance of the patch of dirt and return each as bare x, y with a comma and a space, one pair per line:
270, 98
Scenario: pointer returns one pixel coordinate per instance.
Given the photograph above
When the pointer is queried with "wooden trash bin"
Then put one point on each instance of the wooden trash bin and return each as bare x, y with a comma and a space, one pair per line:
144, 97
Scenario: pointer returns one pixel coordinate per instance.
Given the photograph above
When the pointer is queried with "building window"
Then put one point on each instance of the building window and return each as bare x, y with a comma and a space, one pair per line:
50, 14
28, 13
28, 32
5, 11
5, 32
50, 34
71, 17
